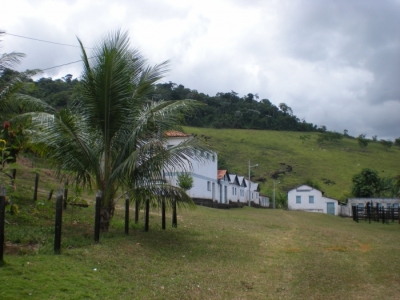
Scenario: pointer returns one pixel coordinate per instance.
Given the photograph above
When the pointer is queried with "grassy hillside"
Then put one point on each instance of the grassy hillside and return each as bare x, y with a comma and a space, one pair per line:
337, 162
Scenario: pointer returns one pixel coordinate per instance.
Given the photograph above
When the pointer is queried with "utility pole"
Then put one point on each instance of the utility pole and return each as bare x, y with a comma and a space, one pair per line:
256, 165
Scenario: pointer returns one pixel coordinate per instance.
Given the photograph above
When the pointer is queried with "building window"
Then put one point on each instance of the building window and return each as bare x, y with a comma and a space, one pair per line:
396, 205
213, 158
207, 155
310, 199
169, 146
388, 205
208, 186
241, 193
298, 199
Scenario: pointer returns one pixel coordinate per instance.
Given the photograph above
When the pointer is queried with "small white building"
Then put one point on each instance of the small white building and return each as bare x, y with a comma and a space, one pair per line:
264, 200
204, 172
234, 188
306, 198
242, 189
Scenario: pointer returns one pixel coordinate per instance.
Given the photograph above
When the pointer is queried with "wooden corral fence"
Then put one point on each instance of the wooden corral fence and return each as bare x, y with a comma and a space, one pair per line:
377, 214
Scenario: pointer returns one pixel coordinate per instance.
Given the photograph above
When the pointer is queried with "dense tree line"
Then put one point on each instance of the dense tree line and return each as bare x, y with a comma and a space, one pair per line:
224, 110
228, 110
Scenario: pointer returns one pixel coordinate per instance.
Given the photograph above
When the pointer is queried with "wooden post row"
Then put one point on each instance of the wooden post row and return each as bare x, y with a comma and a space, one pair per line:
58, 223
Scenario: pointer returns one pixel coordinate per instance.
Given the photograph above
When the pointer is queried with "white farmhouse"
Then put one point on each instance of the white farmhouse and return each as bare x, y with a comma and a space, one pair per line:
252, 192
306, 198
209, 183
204, 173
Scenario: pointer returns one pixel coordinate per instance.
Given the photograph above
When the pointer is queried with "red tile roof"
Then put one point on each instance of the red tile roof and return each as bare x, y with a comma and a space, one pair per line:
221, 174
174, 133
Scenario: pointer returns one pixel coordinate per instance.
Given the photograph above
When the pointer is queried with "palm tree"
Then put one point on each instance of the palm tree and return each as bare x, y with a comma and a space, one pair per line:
113, 137
14, 105
12, 101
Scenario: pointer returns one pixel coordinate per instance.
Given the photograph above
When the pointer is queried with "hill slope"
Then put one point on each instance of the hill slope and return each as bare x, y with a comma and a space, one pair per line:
279, 150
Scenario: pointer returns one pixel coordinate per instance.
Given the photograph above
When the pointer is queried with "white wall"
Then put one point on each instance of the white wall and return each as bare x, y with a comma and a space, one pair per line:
320, 202
204, 174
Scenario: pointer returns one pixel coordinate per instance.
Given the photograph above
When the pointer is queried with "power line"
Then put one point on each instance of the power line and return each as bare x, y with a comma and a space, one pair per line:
29, 38
70, 63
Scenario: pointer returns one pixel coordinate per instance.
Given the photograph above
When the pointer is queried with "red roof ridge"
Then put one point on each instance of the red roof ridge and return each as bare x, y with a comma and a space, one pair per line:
174, 133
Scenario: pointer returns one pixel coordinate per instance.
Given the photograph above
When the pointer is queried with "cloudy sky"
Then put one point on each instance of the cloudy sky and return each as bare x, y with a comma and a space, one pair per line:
334, 62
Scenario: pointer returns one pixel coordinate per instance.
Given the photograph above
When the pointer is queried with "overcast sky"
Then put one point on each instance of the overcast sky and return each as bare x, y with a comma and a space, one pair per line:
334, 62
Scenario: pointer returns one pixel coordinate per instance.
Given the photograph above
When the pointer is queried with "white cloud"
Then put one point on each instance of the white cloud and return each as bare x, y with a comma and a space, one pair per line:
335, 63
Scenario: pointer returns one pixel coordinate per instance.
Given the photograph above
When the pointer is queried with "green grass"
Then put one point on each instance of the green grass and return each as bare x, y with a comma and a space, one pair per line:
334, 161
213, 254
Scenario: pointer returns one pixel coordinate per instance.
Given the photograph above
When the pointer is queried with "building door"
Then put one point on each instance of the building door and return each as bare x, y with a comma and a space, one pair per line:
330, 209
213, 191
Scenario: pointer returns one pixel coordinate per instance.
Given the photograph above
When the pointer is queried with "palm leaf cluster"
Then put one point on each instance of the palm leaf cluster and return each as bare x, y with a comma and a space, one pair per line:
13, 101
112, 136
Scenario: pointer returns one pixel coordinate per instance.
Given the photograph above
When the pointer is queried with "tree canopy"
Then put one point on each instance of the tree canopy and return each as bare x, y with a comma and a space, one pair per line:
112, 135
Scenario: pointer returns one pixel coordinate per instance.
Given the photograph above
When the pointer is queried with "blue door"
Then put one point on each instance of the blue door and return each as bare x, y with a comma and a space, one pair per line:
330, 209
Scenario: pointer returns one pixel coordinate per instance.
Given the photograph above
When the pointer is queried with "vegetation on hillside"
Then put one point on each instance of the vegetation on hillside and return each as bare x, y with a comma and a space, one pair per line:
290, 160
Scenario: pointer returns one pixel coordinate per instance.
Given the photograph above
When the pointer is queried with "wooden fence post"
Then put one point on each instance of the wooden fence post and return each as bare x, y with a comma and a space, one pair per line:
58, 222
174, 216
2, 220
163, 213
136, 211
65, 193
146, 218
377, 212
126, 214
50, 195
36, 187
97, 217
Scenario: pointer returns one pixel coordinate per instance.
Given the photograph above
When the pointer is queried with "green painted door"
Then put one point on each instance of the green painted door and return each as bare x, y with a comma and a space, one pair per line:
330, 208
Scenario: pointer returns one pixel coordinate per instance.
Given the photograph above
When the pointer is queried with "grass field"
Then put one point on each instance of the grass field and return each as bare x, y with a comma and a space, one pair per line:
213, 254
337, 162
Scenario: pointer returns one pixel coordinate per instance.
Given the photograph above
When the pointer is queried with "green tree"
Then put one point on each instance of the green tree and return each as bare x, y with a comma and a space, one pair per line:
13, 100
185, 181
112, 136
14, 104
386, 144
397, 142
366, 183
362, 142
